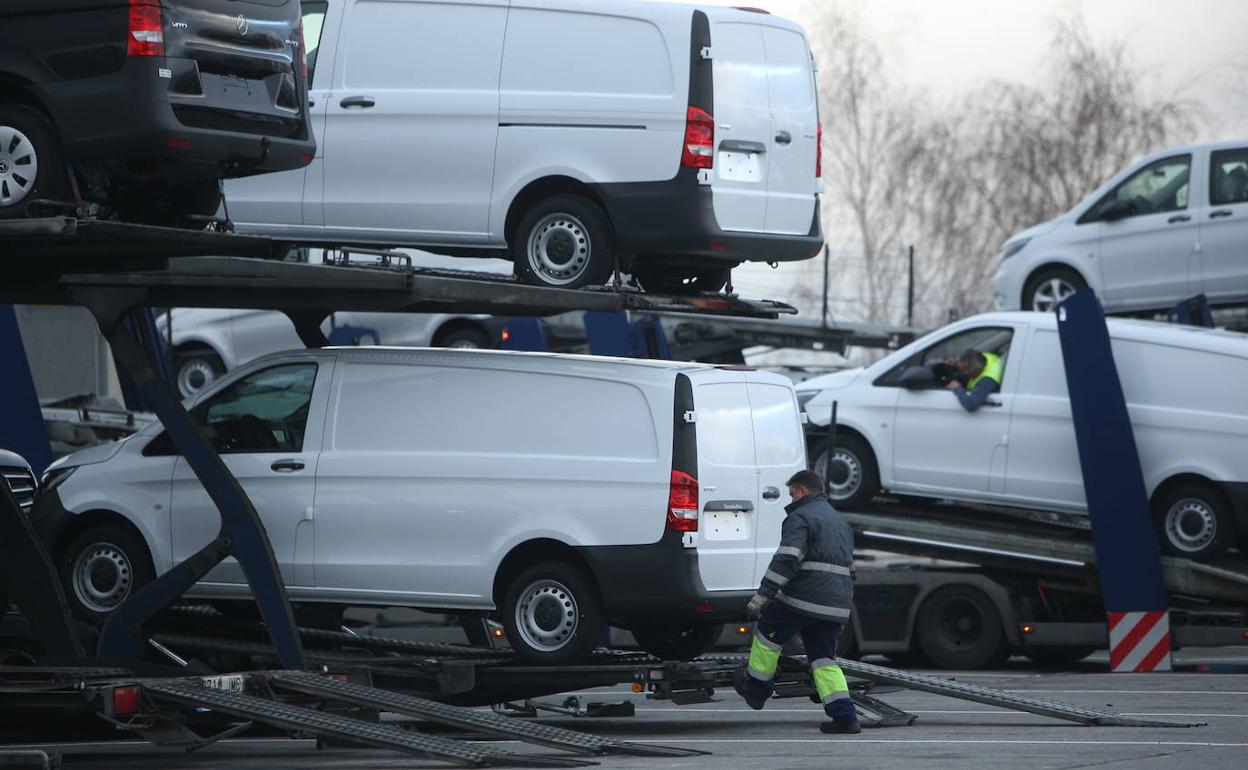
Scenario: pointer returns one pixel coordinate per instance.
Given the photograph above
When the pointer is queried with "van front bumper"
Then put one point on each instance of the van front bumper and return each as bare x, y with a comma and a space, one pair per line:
676, 218
659, 582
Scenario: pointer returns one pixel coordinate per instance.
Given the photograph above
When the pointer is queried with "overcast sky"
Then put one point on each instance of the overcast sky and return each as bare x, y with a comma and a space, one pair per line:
946, 47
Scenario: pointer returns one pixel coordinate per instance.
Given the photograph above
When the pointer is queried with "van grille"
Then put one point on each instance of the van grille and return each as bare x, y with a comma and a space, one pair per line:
21, 483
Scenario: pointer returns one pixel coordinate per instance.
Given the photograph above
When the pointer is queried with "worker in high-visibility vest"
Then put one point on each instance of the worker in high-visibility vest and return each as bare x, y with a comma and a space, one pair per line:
808, 590
979, 377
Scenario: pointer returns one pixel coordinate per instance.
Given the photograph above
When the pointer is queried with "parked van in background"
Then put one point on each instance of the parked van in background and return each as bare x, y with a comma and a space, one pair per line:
1171, 226
562, 492
1184, 388
564, 135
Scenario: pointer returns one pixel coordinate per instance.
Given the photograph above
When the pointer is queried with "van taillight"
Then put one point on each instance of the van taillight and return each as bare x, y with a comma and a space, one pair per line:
682, 503
819, 151
303, 56
699, 148
146, 33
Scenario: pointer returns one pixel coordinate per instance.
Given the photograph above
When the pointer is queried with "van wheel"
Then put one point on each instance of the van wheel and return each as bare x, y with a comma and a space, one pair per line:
1046, 287
466, 338
31, 167
563, 241
196, 371
656, 278
101, 568
853, 477
959, 627
552, 614
1194, 521
667, 641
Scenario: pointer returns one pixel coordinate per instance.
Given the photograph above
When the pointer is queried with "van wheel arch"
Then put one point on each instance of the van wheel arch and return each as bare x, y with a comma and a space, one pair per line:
532, 552
1049, 270
547, 187
869, 464
99, 518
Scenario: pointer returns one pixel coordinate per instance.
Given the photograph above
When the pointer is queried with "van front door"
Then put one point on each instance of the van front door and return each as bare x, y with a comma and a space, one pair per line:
267, 429
412, 122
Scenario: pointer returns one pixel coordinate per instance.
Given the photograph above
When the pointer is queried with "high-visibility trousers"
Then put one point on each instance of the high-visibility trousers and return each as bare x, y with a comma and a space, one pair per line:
777, 625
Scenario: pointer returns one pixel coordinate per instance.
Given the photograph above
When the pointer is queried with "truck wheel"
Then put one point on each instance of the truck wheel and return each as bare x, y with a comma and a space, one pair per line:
676, 642
959, 627
564, 241
656, 278
1048, 286
1057, 656
853, 476
1194, 521
31, 167
552, 614
101, 568
196, 371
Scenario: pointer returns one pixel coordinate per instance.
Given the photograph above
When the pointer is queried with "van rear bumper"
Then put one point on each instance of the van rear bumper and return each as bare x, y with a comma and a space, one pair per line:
659, 581
676, 218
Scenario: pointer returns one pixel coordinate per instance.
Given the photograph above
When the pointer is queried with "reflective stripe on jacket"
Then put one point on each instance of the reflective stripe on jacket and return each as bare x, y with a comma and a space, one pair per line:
811, 571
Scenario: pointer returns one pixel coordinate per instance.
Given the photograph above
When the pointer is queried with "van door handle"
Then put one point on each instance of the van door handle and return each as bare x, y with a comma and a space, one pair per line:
783, 137
287, 466
1174, 220
357, 101
1219, 213
771, 493
730, 506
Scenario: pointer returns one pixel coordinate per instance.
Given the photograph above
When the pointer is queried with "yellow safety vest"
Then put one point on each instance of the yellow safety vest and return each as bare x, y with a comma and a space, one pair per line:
994, 367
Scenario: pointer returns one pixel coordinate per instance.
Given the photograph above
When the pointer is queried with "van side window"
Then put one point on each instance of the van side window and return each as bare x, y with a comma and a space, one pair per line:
992, 339
313, 24
1228, 178
1158, 187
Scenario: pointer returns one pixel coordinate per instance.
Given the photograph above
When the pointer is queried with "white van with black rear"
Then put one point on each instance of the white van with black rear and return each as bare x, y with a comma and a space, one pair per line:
565, 135
561, 492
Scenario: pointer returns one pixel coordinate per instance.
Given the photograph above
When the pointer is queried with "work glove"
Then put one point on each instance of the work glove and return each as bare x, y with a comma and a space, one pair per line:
756, 605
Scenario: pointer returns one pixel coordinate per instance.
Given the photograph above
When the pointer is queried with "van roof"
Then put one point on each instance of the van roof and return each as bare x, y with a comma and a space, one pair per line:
496, 358
1193, 337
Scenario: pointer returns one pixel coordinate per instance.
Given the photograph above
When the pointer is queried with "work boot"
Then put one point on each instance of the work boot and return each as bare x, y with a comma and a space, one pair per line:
840, 727
741, 682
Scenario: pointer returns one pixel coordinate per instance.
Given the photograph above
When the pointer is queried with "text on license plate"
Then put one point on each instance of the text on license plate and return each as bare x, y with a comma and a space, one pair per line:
227, 682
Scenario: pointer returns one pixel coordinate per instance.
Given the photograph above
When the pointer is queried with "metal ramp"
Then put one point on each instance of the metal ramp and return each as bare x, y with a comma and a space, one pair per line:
297, 718
466, 719
1000, 698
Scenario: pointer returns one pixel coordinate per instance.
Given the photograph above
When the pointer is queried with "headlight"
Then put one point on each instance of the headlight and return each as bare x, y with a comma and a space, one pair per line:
53, 478
804, 397
1013, 247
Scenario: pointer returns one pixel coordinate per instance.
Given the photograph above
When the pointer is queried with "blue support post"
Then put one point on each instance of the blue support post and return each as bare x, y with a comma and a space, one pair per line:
22, 429
609, 334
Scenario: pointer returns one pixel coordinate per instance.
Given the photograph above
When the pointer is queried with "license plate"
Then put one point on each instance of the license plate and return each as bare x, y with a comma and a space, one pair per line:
227, 682
739, 166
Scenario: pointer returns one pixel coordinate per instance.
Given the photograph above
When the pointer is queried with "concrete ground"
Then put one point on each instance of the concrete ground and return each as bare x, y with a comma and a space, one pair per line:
949, 733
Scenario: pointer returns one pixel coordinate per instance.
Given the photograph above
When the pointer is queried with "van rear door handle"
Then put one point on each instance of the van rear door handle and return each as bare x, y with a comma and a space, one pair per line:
771, 493
357, 101
1174, 220
731, 506
287, 466
783, 137
1219, 213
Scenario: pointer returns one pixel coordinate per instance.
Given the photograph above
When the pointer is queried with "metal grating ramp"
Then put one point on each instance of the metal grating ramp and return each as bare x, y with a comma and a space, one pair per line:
187, 693
468, 719
999, 698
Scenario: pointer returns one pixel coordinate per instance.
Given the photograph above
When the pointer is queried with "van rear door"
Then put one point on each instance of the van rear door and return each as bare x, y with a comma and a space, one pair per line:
791, 182
779, 452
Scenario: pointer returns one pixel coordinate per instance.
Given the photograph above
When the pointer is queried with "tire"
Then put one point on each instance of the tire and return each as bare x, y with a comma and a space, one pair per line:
1057, 656
564, 241
174, 206
552, 614
959, 627
27, 141
195, 371
101, 568
656, 278
676, 642
856, 476
1194, 521
1049, 285
465, 338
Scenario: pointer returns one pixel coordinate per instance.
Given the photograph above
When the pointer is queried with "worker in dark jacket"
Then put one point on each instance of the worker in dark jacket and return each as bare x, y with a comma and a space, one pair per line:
807, 590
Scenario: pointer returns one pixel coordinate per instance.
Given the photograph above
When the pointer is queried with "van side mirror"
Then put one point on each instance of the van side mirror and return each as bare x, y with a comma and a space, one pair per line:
915, 377
1116, 209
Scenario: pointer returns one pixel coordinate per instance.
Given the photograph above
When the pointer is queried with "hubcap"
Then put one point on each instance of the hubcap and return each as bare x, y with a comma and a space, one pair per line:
546, 615
1051, 292
19, 166
559, 249
194, 376
102, 577
961, 623
1191, 525
843, 474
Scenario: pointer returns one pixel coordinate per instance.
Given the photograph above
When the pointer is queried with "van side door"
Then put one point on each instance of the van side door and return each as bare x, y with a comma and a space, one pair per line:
779, 451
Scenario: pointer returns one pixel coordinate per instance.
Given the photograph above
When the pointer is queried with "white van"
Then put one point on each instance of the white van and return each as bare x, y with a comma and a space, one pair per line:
1173, 225
560, 134
563, 492
1184, 389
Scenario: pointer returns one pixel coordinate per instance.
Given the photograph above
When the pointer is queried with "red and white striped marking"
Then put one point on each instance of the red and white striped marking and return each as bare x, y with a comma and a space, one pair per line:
1139, 641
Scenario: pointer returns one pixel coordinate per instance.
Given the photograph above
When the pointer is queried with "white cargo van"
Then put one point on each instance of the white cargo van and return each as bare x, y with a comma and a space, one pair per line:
561, 492
560, 134
1184, 388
